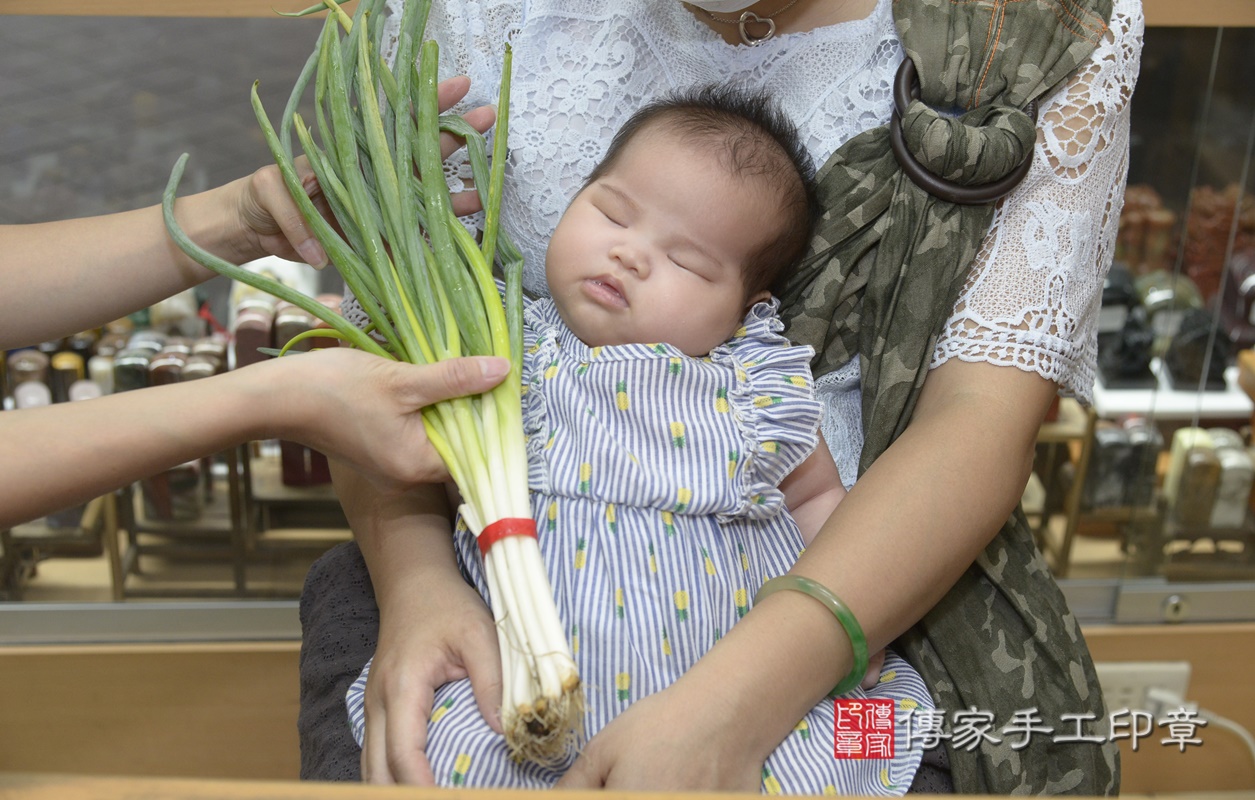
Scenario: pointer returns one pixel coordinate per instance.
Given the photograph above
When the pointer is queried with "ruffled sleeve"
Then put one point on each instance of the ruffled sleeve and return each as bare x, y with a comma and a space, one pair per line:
540, 327
773, 398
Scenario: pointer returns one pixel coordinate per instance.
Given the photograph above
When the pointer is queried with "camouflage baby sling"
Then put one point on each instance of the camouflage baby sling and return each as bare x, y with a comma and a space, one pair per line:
880, 280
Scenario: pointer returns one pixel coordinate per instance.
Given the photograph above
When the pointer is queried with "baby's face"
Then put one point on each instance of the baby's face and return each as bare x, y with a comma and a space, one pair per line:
654, 250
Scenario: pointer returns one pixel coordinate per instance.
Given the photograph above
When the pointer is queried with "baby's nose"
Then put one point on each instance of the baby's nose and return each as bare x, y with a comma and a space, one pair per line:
631, 257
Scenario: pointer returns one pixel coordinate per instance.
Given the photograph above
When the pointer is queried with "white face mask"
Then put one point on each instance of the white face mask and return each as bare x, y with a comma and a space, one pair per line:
721, 6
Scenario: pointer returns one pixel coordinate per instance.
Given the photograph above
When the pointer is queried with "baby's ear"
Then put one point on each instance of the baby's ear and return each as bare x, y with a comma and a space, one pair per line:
756, 298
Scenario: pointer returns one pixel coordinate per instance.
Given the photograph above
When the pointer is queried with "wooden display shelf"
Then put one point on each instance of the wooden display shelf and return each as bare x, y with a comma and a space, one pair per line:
279, 517
253, 523
215, 535
23, 546
1199, 13
228, 710
1069, 437
1109, 522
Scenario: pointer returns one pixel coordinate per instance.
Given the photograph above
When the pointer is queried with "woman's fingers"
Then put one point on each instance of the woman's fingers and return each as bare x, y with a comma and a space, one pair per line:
481, 119
464, 203
482, 661
457, 377
394, 745
374, 749
388, 445
410, 666
269, 211
449, 93
407, 740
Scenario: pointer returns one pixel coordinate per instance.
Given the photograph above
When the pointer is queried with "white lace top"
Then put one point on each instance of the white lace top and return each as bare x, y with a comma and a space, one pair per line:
581, 67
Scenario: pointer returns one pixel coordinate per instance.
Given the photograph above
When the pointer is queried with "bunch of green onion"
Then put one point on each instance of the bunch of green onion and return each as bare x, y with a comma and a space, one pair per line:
428, 289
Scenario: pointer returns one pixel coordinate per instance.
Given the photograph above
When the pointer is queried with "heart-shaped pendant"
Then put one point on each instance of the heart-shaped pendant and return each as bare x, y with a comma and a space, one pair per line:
750, 18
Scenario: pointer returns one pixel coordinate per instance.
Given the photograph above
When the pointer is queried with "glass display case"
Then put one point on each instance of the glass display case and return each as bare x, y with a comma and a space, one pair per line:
1162, 529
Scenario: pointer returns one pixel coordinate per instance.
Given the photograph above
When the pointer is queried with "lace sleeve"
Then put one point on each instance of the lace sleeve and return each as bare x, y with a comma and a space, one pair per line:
1032, 297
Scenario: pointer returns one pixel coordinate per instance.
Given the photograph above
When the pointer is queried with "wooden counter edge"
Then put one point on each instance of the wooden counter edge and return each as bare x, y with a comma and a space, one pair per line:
36, 786
42, 786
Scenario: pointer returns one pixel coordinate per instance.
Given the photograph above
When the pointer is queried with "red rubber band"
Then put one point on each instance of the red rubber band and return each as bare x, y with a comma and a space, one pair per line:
510, 526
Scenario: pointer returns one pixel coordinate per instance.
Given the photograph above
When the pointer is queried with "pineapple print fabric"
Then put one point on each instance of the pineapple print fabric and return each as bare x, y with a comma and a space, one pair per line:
654, 485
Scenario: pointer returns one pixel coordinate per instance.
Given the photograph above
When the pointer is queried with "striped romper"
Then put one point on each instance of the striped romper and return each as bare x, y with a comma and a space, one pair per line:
654, 486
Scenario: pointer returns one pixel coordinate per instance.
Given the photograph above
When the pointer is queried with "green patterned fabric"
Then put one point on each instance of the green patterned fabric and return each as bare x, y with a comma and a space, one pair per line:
883, 275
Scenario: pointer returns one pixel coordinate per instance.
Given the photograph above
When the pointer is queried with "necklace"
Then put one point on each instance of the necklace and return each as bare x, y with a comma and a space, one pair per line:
748, 18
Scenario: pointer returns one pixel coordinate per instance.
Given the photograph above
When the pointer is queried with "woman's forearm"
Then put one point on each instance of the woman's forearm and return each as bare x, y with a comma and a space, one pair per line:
404, 537
894, 546
61, 455
944, 489
72, 275
360, 408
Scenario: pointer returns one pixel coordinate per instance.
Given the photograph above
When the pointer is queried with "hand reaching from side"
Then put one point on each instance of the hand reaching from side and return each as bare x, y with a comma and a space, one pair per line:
272, 224
365, 411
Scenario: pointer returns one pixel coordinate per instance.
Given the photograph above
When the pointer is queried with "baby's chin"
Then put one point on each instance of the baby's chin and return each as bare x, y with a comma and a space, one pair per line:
593, 334
603, 341
599, 338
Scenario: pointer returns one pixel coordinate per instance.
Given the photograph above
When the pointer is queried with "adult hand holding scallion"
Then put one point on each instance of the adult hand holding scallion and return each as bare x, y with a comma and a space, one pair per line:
428, 290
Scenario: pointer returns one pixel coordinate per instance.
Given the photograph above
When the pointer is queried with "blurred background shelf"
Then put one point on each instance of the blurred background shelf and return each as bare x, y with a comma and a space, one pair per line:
254, 537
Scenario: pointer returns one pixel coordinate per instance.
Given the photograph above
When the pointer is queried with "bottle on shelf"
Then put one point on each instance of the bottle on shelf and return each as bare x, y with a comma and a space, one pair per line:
1182, 441
65, 368
130, 369
1237, 474
290, 321
1145, 444
166, 367
26, 365
32, 394
253, 329
1107, 478
1167, 297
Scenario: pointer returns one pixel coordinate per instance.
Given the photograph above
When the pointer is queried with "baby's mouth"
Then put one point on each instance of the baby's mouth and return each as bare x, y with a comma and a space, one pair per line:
605, 291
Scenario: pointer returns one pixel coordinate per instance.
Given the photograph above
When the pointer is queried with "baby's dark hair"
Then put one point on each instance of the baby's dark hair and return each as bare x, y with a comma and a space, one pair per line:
755, 140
